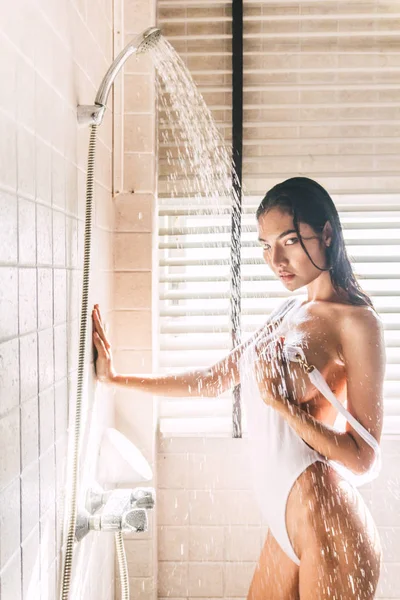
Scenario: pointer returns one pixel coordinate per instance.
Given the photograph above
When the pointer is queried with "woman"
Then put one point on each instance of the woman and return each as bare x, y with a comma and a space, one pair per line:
322, 542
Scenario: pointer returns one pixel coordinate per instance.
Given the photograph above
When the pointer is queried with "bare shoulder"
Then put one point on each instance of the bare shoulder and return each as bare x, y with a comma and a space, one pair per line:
360, 328
358, 318
346, 315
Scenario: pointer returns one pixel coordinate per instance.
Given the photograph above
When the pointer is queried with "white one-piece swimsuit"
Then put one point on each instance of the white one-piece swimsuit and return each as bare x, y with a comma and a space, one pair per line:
278, 454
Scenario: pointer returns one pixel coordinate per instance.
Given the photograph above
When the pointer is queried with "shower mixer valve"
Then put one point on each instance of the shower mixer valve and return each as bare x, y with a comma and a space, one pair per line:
122, 510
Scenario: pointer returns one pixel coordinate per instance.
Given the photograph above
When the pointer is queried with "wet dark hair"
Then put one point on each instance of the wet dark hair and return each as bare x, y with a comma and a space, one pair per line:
308, 202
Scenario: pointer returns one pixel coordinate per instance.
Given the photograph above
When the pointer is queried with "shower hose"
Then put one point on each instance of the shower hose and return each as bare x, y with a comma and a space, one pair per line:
73, 452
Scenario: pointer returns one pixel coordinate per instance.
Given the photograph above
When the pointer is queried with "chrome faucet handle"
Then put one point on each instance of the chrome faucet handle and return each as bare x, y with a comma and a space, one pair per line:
143, 498
134, 519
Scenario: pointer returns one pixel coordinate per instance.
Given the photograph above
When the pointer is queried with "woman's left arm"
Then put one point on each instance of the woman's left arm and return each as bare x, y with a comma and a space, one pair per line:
363, 351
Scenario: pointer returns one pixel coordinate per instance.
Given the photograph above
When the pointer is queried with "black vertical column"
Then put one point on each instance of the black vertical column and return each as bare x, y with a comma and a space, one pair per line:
236, 225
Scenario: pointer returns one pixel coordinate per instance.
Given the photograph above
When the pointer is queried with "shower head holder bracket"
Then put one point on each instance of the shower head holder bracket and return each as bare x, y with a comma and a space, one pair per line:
90, 114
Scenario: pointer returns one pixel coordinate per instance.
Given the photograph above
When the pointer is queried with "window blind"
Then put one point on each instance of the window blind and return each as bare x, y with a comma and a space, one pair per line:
321, 99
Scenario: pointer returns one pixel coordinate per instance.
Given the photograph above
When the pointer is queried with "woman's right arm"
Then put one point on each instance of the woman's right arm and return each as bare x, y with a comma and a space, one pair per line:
210, 382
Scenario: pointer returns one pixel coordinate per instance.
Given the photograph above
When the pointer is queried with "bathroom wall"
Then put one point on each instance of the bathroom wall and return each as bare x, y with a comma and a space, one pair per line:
52, 57
135, 274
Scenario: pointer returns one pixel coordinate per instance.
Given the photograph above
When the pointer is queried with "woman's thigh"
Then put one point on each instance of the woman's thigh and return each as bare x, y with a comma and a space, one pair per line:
350, 573
276, 576
338, 545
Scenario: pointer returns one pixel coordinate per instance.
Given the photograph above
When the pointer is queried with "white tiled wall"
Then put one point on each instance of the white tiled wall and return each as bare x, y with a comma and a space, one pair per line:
53, 55
210, 531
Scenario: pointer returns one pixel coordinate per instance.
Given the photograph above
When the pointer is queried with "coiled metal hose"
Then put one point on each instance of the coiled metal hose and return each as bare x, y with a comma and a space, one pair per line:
73, 456
123, 567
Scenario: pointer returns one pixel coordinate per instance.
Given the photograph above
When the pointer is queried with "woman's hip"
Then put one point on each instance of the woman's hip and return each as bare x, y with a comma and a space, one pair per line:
325, 510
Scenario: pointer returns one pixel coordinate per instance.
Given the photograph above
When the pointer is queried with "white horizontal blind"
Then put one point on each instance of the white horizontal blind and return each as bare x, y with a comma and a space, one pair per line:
322, 99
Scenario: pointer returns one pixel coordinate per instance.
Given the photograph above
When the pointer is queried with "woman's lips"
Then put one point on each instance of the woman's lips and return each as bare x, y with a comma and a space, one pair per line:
286, 277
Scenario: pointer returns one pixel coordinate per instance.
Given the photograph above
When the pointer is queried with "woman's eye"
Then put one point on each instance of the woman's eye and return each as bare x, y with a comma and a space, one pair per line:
293, 240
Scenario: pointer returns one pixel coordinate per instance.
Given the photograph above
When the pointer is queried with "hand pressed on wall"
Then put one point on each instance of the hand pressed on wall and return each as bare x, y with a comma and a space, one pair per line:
103, 362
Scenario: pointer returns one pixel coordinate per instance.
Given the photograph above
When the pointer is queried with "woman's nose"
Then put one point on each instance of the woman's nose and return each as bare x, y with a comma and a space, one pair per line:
277, 257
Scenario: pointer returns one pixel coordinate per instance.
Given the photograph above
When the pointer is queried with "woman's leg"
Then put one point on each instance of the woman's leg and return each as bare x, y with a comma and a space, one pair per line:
339, 549
351, 574
276, 576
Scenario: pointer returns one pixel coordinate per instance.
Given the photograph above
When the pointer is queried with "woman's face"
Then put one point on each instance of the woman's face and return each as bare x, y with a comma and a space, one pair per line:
282, 250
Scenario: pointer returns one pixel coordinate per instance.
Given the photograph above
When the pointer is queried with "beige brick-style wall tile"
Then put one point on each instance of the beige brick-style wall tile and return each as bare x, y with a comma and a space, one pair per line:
133, 329
390, 542
389, 585
139, 174
133, 290
386, 507
173, 579
173, 507
173, 471
139, 92
141, 588
219, 471
173, 543
133, 361
134, 212
139, 556
238, 577
139, 14
204, 472
206, 543
205, 580
139, 134
134, 417
208, 508
242, 543
133, 251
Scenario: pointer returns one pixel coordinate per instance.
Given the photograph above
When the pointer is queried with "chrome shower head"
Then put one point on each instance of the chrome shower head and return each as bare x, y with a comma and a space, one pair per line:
93, 114
150, 39
139, 45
